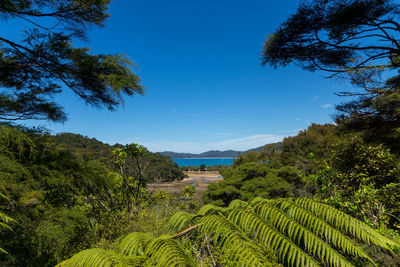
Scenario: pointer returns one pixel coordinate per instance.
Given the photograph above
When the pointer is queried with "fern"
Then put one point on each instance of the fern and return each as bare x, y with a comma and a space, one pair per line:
300, 235
101, 258
168, 252
4, 221
292, 232
134, 244
321, 228
346, 223
211, 209
237, 203
181, 220
286, 251
233, 244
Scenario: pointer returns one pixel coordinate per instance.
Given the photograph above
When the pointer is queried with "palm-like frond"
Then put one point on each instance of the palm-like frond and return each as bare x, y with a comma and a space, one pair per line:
101, 258
292, 232
232, 243
168, 252
346, 223
4, 221
300, 235
211, 209
286, 250
237, 203
4, 218
135, 244
181, 220
320, 228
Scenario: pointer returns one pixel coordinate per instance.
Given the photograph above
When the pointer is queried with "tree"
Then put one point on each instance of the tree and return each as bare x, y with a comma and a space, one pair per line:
202, 167
130, 176
352, 39
283, 232
362, 180
45, 62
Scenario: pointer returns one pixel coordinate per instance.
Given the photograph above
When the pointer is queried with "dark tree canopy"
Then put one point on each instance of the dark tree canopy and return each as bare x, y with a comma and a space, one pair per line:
353, 39
33, 70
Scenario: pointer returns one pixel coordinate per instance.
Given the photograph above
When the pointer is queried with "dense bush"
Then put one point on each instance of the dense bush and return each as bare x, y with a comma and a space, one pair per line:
253, 179
282, 232
65, 194
363, 180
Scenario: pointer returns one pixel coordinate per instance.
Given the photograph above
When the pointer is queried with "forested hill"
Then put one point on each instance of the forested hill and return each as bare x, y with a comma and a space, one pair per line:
84, 148
210, 154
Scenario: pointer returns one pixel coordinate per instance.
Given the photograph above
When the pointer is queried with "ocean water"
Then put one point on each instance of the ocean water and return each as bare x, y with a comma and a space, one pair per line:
198, 161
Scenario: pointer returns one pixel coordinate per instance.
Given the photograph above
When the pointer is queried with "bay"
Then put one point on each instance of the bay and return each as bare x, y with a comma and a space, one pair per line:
206, 161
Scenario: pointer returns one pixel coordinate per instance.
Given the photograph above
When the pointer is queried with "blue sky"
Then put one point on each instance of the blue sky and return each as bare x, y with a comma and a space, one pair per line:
206, 88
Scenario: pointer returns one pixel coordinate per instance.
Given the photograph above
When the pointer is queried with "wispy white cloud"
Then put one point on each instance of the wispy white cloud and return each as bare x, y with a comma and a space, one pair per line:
327, 106
315, 97
241, 144
224, 134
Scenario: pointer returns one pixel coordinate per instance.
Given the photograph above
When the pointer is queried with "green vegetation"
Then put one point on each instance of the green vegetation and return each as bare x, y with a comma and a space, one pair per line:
356, 40
64, 198
328, 196
288, 232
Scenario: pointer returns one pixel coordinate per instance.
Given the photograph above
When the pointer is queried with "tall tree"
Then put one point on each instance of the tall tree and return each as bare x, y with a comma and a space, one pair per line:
353, 39
45, 62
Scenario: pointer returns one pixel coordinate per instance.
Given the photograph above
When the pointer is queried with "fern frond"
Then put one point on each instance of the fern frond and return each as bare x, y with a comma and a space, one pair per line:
346, 223
286, 251
320, 228
211, 209
97, 257
168, 252
181, 220
4, 226
232, 242
2, 251
237, 203
300, 235
135, 244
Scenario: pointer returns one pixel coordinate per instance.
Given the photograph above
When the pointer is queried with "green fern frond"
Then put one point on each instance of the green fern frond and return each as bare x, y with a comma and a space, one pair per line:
4, 226
286, 251
233, 243
237, 203
2, 251
101, 258
211, 209
292, 232
346, 223
320, 228
300, 235
168, 252
135, 244
180, 220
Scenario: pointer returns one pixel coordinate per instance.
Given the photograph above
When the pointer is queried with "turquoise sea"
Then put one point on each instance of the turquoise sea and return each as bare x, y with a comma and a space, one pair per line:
198, 161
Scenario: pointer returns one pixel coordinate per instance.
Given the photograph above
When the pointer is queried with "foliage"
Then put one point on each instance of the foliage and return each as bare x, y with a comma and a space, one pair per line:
352, 39
5, 220
288, 232
250, 180
188, 191
65, 196
363, 180
44, 62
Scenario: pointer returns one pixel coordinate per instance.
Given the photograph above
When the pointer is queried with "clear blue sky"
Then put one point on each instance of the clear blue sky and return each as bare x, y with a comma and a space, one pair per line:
206, 88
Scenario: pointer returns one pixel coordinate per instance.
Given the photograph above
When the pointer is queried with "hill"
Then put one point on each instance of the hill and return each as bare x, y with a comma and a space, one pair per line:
210, 154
